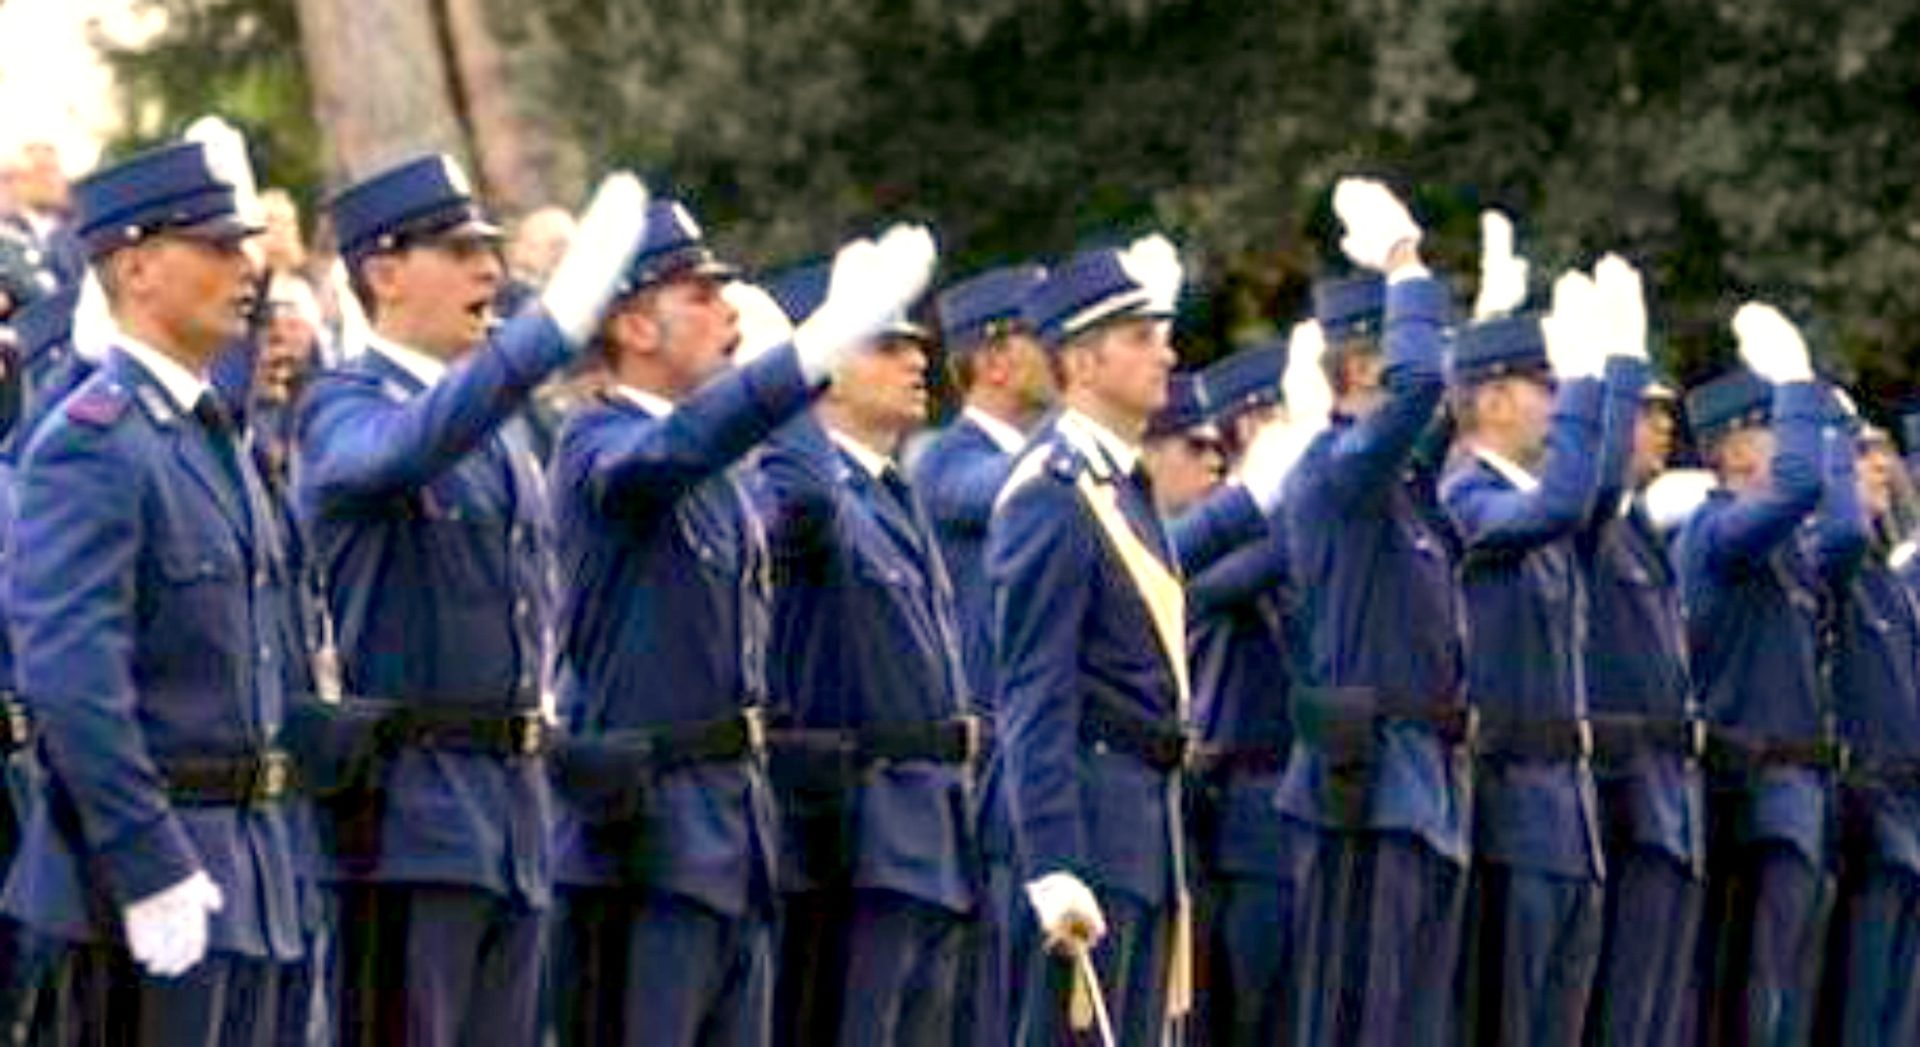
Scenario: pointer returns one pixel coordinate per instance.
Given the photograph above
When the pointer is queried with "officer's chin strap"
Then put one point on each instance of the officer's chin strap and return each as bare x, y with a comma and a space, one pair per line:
1087, 1002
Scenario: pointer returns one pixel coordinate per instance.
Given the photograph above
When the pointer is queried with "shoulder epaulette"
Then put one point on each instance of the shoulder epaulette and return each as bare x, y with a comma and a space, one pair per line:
1056, 459
98, 404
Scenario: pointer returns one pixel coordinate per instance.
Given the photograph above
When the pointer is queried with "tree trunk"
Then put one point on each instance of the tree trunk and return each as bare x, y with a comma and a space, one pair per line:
380, 80
523, 163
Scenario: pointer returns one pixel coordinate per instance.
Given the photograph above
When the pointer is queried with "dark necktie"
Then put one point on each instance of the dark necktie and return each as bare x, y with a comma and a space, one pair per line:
218, 423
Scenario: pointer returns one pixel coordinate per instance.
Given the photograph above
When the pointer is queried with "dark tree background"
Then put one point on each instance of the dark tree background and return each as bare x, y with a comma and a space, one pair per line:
1757, 147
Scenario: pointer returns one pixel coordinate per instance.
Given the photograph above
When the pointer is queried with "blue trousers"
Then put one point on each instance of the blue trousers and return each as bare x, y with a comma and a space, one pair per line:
429, 966
867, 967
648, 967
991, 980
224, 1001
1246, 960
1880, 957
1377, 937
1532, 957
1768, 909
1131, 962
1654, 907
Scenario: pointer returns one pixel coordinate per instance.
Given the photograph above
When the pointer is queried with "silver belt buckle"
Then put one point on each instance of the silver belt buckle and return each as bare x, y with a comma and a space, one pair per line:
1583, 734
755, 720
273, 775
526, 739
973, 737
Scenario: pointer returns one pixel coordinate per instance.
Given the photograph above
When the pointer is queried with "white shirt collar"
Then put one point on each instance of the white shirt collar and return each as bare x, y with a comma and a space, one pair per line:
1092, 438
182, 386
1004, 436
653, 403
871, 460
1506, 467
416, 363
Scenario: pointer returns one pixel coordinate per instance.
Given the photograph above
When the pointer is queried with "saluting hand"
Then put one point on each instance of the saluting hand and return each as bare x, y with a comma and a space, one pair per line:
1503, 274
1380, 231
1770, 345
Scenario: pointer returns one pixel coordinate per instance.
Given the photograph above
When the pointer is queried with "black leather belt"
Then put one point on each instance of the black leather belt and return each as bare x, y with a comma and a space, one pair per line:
963, 740
1206, 758
1734, 750
668, 746
1619, 737
246, 780
1545, 740
1900, 774
1334, 712
505, 735
1161, 745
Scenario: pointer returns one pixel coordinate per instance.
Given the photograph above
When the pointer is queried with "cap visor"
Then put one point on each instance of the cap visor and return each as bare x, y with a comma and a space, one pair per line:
223, 229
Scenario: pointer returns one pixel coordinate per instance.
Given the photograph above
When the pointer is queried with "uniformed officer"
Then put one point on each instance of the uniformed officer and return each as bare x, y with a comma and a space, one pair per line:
1379, 713
1242, 638
428, 517
1753, 598
1521, 488
666, 847
150, 646
1876, 690
879, 737
1647, 742
1003, 378
1090, 643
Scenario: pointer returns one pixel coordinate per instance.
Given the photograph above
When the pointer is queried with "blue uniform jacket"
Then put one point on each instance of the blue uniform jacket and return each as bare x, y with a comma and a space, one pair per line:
1069, 624
1377, 589
958, 478
428, 515
1753, 594
1526, 623
1876, 686
864, 633
149, 623
665, 616
1243, 634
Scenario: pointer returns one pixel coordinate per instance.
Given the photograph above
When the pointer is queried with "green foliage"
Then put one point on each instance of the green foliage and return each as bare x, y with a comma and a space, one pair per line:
1732, 147
239, 58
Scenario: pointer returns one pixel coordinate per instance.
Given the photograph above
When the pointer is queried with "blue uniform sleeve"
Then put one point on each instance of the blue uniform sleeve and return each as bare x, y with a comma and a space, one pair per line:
1839, 540
1626, 379
798, 482
1041, 560
1367, 458
1254, 569
654, 464
1746, 530
958, 487
73, 605
357, 443
1226, 520
1494, 517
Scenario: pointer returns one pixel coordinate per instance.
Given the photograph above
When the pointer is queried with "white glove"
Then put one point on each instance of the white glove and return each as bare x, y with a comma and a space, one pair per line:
1152, 262
1376, 222
1271, 455
1623, 308
1571, 330
1770, 345
1309, 399
167, 930
762, 324
1673, 496
1069, 915
1503, 274
589, 274
872, 284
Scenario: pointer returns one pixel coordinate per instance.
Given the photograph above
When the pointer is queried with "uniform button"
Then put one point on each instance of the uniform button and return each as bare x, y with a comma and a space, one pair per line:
266, 653
260, 579
526, 681
521, 608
